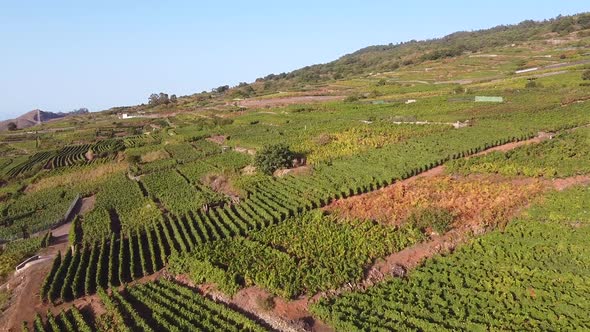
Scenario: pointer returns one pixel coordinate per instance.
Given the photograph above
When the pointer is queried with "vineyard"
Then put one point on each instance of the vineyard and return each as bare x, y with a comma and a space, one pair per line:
67, 156
166, 307
566, 155
296, 256
17, 251
330, 198
35, 212
533, 275
268, 201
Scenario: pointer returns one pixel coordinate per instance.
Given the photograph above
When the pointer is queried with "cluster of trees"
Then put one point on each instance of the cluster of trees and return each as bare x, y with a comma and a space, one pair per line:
242, 90
221, 89
273, 157
571, 23
161, 99
392, 56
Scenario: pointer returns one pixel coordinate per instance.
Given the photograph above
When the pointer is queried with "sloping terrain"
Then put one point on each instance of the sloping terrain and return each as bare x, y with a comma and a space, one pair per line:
428, 186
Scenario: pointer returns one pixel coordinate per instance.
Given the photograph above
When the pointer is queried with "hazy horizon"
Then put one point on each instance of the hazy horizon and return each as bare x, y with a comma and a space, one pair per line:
60, 56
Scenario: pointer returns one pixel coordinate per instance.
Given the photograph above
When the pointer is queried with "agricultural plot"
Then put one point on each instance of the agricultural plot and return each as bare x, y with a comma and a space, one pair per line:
34, 212
167, 306
371, 135
70, 320
120, 207
566, 155
474, 201
228, 161
176, 194
68, 156
183, 152
176, 202
16, 251
303, 254
533, 275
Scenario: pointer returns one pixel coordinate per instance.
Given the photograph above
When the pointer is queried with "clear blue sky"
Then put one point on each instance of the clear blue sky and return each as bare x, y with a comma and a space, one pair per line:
60, 55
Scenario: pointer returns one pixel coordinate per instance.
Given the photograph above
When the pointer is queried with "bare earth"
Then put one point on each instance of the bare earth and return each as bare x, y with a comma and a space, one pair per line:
254, 103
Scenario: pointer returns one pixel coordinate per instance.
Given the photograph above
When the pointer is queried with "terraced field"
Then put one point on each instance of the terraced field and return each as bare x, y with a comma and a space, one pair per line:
393, 201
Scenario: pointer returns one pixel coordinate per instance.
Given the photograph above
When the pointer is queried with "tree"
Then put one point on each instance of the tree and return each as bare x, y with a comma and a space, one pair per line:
173, 99
159, 99
273, 157
154, 99
81, 110
163, 99
586, 75
584, 21
12, 126
221, 89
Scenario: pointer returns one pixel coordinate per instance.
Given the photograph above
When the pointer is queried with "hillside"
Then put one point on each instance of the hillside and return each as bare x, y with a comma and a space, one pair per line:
320, 79
385, 58
439, 185
35, 117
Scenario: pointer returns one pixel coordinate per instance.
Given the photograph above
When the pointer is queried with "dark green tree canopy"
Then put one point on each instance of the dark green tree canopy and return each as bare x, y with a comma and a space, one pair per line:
273, 157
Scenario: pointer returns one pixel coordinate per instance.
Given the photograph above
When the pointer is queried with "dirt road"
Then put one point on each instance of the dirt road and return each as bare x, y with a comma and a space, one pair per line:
254, 103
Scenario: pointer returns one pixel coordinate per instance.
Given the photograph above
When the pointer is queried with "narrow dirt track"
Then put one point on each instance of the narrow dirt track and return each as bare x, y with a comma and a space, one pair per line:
282, 101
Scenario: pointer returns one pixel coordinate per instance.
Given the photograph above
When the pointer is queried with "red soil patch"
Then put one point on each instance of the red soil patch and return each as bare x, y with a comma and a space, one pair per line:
257, 103
475, 201
561, 184
542, 136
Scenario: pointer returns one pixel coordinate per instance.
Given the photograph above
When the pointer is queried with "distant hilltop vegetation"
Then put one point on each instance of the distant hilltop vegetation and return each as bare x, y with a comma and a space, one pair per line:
35, 117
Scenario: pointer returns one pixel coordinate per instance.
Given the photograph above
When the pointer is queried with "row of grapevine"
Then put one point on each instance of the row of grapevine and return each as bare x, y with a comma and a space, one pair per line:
268, 202
29, 164
302, 254
533, 275
115, 261
176, 194
141, 140
166, 306
71, 320
174, 307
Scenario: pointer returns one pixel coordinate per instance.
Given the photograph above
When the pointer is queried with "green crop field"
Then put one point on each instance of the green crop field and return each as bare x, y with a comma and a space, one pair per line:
240, 209
533, 274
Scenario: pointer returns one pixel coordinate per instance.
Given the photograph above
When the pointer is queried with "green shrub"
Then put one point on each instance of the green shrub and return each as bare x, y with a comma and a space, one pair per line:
273, 157
438, 220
